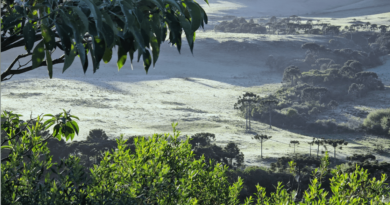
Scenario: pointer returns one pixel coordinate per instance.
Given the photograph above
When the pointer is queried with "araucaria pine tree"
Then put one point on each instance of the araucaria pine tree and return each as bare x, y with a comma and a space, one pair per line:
294, 143
335, 144
262, 138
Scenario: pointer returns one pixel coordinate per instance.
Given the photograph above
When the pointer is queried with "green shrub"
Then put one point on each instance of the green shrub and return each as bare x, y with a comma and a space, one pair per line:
314, 111
161, 171
377, 122
291, 112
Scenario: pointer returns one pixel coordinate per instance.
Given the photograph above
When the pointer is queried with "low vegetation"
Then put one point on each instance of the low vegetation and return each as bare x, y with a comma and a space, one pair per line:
378, 122
162, 169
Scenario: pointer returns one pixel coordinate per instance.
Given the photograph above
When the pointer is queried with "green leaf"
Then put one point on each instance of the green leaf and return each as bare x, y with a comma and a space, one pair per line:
125, 7
107, 55
56, 131
49, 63
196, 17
69, 58
38, 55
49, 37
147, 60
74, 117
95, 12
204, 15
64, 32
82, 16
48, 124
159, 4
109, 22
108, 34
98, 48
11, 21
6, 147
83, 56
174, 4
29, 36
155, 48
188, 31
122, 56
156, 26
75, 126
94, 62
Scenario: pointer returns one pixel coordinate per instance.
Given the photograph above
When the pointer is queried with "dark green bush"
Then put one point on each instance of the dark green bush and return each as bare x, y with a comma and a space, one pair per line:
377, 122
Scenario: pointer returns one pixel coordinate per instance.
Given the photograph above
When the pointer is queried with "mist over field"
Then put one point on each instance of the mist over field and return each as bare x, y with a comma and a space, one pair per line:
246, 47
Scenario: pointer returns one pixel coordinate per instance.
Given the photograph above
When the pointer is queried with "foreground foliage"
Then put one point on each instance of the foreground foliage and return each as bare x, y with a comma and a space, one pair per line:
162, 170
94, 27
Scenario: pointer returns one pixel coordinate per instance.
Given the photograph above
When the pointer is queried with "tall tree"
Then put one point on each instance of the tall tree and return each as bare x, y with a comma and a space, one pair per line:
245, 104
311, 144
232, 151
336, 143
261, 138
268, 104
319, 142
95, 27
294, 143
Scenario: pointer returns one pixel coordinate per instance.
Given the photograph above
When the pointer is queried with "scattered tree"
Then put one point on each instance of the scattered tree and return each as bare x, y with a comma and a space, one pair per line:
202, 139
262, 138
311, 144
294, 143
319, 142
268, 104
233, 152
335, 144
245, 104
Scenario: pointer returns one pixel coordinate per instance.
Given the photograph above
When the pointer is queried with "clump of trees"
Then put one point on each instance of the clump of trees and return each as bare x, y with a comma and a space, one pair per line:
230, 155
240, 25
246, 103
378, 122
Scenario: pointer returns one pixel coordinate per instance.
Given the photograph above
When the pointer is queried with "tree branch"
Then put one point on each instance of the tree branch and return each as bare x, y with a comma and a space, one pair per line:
18, 44
13, 72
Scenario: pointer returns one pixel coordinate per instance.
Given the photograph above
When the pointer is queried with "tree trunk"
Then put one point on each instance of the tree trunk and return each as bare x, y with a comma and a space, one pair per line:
294, 148
334, 152
310, 151
318, 149
270, 119
249, 117
261, 152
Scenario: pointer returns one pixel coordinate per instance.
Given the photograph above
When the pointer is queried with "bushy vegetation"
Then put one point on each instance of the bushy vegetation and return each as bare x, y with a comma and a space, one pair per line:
160, 170
306, 94
240, 25
378, 122
121, 177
